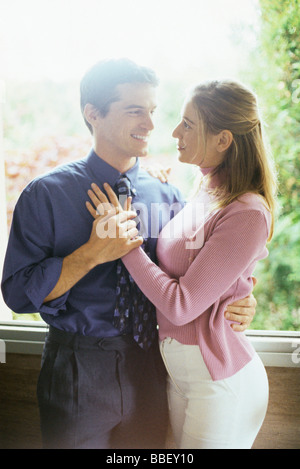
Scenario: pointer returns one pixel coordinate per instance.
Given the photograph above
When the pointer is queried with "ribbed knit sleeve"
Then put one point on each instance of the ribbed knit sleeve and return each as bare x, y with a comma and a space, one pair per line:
237, 241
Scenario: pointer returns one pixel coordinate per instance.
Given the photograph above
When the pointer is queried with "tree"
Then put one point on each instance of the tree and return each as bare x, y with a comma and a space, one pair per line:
276, 78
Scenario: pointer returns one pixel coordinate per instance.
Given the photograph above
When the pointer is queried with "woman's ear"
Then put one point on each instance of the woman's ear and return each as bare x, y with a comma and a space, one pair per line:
225, 138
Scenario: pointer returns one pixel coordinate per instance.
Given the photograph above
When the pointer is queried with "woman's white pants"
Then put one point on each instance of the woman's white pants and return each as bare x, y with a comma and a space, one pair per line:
211, 414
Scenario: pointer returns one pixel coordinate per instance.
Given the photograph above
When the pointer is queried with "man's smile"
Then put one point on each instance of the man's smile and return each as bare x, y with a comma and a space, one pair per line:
143, 138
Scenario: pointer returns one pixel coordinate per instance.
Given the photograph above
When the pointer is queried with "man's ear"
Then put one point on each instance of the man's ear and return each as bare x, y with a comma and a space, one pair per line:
225, 138
91, 114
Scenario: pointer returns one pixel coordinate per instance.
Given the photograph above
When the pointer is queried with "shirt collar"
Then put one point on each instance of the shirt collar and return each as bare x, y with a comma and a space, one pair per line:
104, 172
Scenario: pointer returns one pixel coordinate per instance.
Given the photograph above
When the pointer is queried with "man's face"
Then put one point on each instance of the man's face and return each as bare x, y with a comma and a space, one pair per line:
124, 132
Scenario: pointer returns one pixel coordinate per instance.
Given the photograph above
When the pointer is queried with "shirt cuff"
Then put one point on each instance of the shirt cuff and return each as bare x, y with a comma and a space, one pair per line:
42, 278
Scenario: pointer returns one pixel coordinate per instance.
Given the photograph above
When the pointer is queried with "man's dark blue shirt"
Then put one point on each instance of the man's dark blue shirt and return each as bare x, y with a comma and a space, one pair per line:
51, 221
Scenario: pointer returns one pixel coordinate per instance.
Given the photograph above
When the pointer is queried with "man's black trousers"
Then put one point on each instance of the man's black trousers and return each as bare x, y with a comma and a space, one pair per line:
101, 393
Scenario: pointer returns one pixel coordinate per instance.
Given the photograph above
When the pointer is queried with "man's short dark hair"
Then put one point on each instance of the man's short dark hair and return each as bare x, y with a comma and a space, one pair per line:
98, 86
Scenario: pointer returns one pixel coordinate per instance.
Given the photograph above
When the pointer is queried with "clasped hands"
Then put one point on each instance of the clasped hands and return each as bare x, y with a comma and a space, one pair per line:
114, 234
114, 231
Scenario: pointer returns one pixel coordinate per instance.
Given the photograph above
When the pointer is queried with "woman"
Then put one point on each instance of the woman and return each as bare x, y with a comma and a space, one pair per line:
217, 385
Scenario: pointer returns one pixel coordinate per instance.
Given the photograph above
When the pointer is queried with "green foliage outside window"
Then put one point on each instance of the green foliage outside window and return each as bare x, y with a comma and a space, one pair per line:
275, 76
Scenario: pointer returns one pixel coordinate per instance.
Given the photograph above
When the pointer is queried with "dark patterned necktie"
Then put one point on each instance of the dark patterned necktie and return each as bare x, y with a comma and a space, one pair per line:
134, 313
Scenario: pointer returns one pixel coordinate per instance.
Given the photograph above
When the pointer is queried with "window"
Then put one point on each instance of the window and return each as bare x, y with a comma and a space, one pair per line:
43, 126
5, 313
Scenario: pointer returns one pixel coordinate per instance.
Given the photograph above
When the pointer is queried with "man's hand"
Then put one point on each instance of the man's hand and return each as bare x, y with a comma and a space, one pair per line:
114, 231
113, 235
242, 313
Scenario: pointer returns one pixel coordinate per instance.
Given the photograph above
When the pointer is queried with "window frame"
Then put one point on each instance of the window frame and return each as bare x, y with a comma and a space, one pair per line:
275, 348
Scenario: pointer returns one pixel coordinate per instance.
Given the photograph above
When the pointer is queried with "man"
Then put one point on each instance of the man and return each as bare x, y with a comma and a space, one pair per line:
102, 385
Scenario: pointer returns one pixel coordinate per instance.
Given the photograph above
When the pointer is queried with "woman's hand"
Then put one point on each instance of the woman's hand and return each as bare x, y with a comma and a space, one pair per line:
158, 171
114, 232
101, 204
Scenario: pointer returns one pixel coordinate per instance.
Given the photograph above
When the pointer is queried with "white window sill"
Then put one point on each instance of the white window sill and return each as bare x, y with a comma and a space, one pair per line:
276, 348
25, 337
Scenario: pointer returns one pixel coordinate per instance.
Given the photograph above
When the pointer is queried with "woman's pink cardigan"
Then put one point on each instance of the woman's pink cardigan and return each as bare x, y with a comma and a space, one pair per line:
206, 261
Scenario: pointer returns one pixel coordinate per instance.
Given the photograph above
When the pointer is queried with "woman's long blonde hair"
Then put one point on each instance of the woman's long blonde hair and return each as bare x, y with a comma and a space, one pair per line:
228, 105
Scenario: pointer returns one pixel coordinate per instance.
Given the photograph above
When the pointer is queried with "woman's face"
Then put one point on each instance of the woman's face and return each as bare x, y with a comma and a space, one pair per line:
191, 145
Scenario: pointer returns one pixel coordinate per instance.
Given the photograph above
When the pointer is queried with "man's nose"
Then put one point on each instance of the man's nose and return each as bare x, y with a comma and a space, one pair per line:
148, 122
